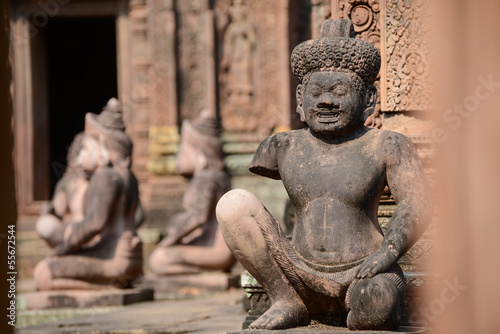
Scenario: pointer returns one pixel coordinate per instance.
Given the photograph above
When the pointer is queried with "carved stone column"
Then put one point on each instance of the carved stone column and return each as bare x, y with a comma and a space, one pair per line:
163, 129
136, 102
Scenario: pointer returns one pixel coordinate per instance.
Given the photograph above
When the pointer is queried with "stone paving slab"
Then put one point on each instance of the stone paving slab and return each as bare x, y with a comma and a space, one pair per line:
207, 314
171, 285
322, 329
85, 298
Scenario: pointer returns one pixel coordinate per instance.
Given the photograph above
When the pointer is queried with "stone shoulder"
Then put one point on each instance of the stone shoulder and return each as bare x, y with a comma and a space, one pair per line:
394, 146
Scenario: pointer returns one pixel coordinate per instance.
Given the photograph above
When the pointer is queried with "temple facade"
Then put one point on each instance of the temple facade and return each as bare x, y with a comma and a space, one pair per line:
166, 60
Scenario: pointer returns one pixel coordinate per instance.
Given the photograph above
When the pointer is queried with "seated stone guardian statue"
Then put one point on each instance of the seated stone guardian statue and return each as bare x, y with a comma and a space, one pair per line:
101, 249
194, 242
68, 197
339, 268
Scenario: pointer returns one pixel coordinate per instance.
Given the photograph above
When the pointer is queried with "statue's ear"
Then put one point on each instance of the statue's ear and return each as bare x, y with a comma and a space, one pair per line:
300, 95
370, 101
127, 161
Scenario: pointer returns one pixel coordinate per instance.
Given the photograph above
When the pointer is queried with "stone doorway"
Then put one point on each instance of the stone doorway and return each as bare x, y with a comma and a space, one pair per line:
65, 60
82, 76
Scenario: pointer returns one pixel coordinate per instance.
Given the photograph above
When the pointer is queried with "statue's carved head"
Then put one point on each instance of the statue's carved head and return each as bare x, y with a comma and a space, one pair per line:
336, 74
201, 146
109, 130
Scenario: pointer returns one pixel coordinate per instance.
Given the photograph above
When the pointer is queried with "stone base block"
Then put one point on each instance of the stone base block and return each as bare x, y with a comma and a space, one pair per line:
189, 284
323, 329
86, 298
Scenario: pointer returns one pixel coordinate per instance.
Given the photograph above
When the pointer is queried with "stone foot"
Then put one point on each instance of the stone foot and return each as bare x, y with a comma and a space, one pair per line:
282, 315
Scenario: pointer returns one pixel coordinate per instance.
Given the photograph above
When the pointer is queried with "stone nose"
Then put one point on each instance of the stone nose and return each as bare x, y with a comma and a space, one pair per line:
327, 100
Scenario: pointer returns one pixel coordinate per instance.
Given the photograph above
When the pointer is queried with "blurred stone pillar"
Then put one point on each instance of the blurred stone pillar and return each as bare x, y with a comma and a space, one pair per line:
164, 118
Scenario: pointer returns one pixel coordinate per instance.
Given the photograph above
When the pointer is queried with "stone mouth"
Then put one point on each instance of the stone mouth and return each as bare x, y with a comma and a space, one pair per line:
326, 115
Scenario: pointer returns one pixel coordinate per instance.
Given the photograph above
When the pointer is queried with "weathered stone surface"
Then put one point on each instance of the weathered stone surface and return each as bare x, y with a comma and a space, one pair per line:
339, 268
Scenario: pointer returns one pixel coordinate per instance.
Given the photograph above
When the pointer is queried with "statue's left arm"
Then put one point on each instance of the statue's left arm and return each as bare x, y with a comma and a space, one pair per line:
408, 185
103, 192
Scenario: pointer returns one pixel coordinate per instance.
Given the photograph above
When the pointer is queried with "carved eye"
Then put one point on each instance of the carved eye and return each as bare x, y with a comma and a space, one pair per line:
316, 91
340, 91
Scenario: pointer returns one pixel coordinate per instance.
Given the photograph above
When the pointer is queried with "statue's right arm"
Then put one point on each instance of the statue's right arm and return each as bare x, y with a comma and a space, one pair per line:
265, 160
103, 192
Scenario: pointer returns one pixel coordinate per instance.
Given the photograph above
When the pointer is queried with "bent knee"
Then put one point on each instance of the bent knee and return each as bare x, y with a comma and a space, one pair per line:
156, 261
236, 204
375, 304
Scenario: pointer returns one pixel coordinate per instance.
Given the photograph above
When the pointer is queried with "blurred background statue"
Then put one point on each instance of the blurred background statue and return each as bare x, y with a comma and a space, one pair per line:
194, 242
100, 247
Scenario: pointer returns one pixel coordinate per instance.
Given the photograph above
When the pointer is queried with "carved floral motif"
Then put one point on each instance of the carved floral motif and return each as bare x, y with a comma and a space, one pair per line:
404, 75
406, 48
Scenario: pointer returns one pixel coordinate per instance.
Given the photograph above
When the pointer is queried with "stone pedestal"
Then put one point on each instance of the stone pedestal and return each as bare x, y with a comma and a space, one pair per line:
85, 298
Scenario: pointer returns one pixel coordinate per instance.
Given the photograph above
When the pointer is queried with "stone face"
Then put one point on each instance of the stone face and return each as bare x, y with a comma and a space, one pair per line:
100, 247
193, 241
339, 268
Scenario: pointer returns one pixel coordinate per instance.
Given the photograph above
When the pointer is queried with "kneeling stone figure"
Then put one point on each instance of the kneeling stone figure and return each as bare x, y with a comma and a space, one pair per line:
339, 267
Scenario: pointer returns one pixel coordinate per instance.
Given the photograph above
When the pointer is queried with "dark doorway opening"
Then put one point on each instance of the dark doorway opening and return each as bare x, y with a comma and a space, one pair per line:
82, 77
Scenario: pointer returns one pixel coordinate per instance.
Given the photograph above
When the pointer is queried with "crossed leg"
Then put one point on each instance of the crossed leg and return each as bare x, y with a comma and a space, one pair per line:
236, 212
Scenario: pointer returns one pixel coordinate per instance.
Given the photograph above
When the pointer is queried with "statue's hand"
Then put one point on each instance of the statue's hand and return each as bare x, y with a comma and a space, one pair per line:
379, 262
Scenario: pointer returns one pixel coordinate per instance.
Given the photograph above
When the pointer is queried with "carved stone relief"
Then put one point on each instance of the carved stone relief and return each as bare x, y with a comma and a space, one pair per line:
193, 20
237, 69
404, 74
261, 104
406, 81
